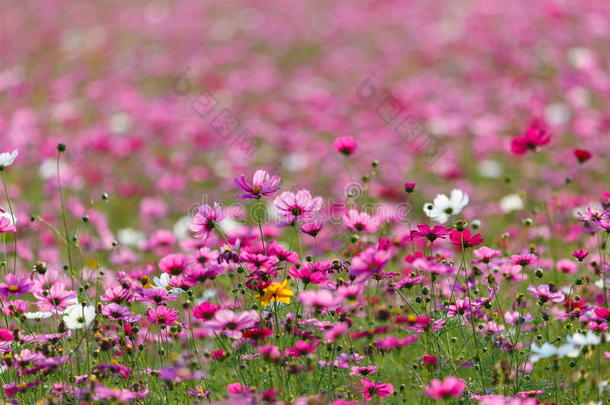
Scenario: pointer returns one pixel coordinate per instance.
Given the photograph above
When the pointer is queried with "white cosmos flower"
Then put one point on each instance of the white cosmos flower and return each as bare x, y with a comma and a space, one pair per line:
77, 316
37, 315
511, 202
7, 159
578, 339
442, 207
163, 282
543, 352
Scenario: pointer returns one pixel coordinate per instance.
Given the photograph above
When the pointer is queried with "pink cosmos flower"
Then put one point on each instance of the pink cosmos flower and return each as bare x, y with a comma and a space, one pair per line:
262, 185
370, 389
535, 136
297, 206
362, 370
369, 262
116, 312
566, 266
485, 254
57, 298
312, 228
450, 387
544, 294
580, 254
360, 222
314, 273
14, 285
7, 222
346, 145
174, 264
206, 220
205, 310
162, 315
6, 335
301, 348
321, 299
523, 260
231, 324
392, 342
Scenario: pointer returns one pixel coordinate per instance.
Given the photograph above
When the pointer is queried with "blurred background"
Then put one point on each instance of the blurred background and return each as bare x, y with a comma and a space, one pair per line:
164, 102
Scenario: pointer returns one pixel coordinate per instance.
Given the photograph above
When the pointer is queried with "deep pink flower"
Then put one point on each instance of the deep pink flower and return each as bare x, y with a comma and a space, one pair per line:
174, 264
431, 234
450, 387
370, 389
6, 335
162, 315
535, 136
409, 187
301, 348
205, 310
580, 254
346, 145
314, 273
206, 220
392, 342
262, 185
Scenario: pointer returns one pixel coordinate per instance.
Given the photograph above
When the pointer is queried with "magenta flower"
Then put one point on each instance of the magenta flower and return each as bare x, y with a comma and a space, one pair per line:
301, 348
360, 222
450, 387
580, 254
14, 285
206, 220
535, 136
205, 310
544, 294
346, 145
370, 389
57, 298
297, 206
231, 324
162, 315
432, 234
262, 185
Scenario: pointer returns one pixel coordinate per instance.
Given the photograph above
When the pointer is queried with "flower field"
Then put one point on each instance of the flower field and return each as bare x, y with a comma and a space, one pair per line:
306, 202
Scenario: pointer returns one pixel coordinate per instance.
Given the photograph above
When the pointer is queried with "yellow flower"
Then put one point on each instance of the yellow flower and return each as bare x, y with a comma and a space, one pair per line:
277, 292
